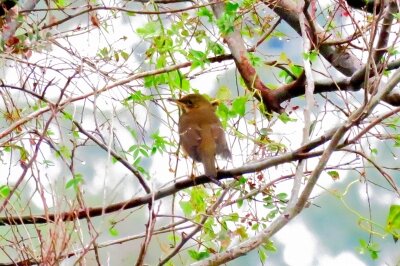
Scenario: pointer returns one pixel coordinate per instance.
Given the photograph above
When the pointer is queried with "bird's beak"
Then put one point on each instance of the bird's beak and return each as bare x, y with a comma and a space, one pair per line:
180, 104
176, 101
172, 100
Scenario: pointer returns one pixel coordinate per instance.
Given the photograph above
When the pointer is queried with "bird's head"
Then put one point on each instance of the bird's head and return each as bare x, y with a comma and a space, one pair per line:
192, 102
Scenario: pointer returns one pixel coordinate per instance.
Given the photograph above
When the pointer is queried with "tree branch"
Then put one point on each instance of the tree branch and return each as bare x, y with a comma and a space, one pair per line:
340, 58
238, 50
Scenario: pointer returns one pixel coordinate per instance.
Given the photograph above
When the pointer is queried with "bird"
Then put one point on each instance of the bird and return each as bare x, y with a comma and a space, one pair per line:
200, 132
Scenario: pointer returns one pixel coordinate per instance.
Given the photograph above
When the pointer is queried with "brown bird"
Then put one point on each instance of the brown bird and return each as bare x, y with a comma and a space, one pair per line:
201, 133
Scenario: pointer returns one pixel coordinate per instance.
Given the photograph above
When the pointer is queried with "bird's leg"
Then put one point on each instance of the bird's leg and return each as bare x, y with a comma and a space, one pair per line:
215, 181
217, 166
192, 175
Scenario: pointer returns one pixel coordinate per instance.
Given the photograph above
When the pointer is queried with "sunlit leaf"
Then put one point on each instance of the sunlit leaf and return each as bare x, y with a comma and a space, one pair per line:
75, 181
4, 191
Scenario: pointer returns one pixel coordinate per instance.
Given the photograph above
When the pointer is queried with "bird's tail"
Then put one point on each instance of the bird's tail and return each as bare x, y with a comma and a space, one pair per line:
209, 166
210, 170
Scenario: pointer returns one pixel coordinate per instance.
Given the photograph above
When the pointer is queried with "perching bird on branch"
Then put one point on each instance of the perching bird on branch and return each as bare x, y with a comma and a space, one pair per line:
201, 133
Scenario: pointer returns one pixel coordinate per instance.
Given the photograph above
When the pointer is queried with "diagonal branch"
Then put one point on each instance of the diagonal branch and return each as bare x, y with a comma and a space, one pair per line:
340, 58
252, 80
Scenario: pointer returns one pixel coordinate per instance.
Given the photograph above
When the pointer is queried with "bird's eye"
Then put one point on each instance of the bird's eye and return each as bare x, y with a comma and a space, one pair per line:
189, 103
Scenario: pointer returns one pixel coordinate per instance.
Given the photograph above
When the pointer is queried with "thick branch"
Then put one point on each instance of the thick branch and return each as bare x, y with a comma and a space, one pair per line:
340, 58
164, 192
297, 88
354, 83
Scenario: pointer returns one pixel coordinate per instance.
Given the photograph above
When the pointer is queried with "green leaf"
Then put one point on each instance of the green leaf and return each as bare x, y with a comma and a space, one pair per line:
397, 140
64, 151
116, 56
49, 133
139, 149
311, 55
242, 180
216, 48
242, 232
124, 55
61, 3
205, 12
240, 203
75, 134
173, 238
393, 51
103, 53
331, 25
23, 153
239, 105
75, 181
159, 143
68, 116
48, 163
254, 60
177, 81
200, 36
278, 34
144, 152
198, 196
269, 246
138, 97
224, 93
396, 15
392, 122
262, 255
334, 175
198, 58
226, 24
113, 231
255, 227
282, 196
226, 21
150, 30
137, 161
296, 70
198, 255
269, 202
272, 214
223, 114
231, 7
371, 248
233, 217
163, 44
186, 208
4, 191
285, 76
285, 118
393, 221
248, 3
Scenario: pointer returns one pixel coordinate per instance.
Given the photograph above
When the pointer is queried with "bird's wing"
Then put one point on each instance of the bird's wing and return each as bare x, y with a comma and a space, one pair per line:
190, 140
219, 136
